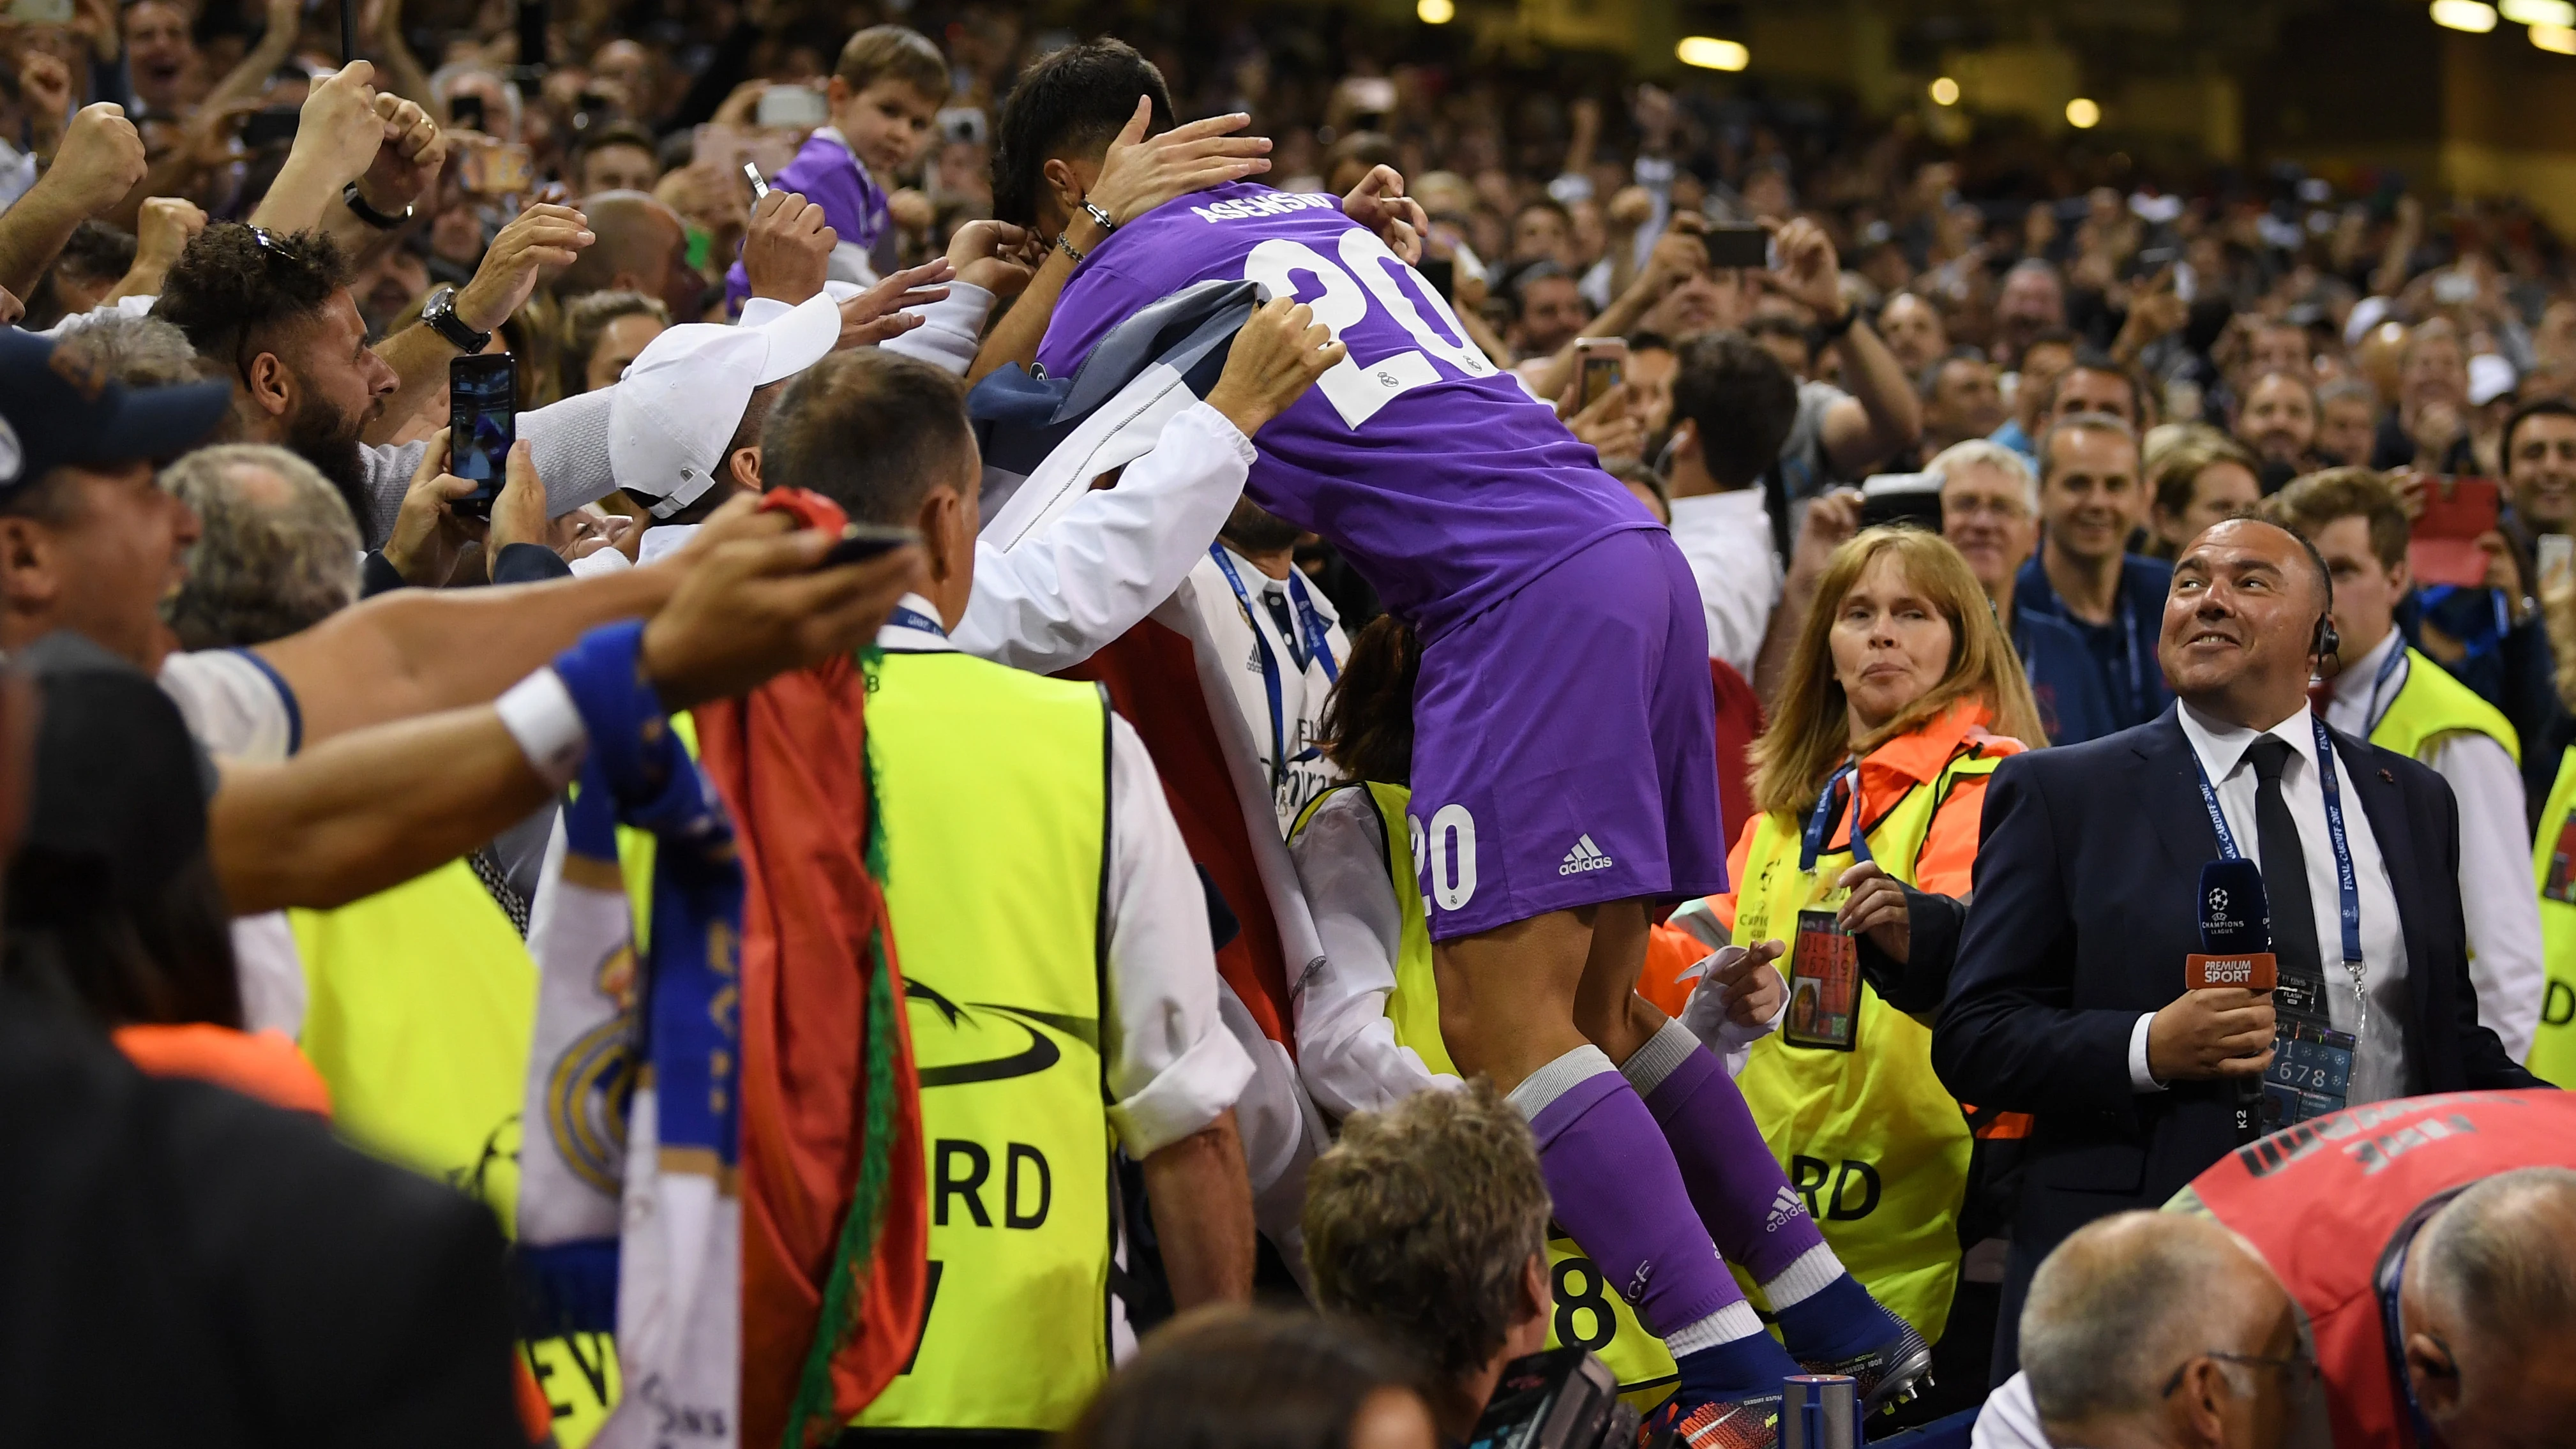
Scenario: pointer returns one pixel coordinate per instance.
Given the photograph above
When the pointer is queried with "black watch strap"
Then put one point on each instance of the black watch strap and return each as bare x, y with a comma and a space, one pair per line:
440, 314
358, 207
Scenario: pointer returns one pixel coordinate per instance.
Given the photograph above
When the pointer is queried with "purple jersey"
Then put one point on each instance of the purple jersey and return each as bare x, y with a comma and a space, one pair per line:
854, 207
1447, 485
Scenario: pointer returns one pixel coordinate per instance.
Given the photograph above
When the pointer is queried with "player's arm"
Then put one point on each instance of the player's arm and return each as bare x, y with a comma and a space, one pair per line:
1137, 174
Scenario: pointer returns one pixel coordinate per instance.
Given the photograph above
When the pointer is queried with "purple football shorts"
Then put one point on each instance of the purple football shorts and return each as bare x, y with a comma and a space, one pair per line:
1565, 744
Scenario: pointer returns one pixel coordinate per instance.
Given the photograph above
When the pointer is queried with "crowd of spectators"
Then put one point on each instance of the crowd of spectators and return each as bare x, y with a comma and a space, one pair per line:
281, 718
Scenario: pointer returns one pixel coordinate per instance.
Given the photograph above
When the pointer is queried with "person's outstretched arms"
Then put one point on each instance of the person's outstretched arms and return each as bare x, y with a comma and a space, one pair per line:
1082, 579
375, 807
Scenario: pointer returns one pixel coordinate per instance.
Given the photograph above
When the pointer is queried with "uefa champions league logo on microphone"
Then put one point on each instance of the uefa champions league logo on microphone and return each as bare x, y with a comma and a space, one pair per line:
2218, 906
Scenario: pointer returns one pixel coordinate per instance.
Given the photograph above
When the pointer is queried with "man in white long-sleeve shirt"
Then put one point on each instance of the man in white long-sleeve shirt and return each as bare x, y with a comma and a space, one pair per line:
1733, 405
2402, 700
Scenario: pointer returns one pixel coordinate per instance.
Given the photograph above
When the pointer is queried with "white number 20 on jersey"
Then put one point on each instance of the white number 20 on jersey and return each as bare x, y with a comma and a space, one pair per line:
1445, 855
1356, 388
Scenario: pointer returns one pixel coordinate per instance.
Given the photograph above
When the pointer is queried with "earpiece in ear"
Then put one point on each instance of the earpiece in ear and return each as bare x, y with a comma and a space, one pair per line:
2327, 643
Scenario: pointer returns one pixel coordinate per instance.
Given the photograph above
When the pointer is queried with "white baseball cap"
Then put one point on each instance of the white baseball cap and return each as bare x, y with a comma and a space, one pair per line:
684, 394
2490, 377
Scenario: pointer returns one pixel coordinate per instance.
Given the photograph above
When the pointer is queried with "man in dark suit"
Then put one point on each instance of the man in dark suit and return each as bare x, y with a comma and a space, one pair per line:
2068, 999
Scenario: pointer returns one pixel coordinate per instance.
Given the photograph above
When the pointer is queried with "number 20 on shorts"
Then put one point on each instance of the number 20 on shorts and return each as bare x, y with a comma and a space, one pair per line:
1446, 857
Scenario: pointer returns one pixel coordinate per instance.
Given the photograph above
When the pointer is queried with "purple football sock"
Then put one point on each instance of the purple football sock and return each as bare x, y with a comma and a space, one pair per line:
1615, 1190
1756, 1219
1752, 1214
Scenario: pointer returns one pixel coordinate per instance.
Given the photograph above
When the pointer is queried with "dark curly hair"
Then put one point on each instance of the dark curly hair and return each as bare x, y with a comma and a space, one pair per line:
234, 282
1077, 99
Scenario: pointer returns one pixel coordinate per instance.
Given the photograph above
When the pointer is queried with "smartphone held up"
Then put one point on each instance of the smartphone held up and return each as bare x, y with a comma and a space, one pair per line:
482, 424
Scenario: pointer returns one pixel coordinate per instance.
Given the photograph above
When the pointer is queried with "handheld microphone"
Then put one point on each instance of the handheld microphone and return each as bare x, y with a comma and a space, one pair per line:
2235, 930
2235, 950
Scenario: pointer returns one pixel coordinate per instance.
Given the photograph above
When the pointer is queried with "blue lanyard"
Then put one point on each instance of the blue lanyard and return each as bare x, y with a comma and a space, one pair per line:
2347, 881
2387, 667
903, 618
2129, 631
1821, 823
1318, 643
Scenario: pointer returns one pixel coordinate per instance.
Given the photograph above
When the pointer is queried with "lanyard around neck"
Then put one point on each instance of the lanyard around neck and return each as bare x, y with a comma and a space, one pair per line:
2347, 881
1318, 642
2370, 715
1820, 824
908, 618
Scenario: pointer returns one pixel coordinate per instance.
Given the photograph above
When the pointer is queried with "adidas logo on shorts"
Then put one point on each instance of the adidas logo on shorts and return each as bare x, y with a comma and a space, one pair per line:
1786, 1207
1584, 856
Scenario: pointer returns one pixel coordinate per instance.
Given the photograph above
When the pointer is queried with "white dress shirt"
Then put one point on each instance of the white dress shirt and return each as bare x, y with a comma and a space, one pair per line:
1244, 641
1173, 1065
2379, 1068
2502, 910
1086, 575
1727, 539
241, 709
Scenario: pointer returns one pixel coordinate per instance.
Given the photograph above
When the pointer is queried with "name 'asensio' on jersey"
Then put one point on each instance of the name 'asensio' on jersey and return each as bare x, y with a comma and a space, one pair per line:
1446, 484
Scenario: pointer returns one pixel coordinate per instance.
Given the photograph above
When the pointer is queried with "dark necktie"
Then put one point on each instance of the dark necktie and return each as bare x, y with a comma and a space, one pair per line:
1285, 617
2285, 880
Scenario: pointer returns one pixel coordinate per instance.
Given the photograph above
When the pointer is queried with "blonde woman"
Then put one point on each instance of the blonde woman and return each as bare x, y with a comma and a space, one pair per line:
1902, 696
2195, 476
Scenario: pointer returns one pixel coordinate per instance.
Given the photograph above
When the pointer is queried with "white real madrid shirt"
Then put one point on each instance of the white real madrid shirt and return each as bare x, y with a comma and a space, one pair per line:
1245, 641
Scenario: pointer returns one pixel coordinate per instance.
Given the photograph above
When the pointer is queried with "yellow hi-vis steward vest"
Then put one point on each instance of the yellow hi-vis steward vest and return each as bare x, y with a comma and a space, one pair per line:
420, 1003
2553, 866
2431, 705
1870, 1138
1587, 1311
993, 786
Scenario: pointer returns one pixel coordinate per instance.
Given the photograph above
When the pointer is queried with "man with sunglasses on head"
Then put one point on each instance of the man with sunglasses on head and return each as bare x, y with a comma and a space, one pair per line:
2396, 1274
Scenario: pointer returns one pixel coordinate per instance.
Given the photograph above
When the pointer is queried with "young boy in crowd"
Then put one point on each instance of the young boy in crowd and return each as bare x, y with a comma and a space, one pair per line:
882, 99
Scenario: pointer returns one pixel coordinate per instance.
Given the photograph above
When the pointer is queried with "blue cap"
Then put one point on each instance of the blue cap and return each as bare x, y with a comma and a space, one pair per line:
55, 411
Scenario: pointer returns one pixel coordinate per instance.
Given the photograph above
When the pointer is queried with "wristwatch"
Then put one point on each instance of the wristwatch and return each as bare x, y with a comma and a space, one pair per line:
358, 207
439, 313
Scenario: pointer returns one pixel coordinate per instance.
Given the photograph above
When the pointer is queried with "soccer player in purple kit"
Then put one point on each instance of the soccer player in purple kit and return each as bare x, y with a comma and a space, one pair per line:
1563, 776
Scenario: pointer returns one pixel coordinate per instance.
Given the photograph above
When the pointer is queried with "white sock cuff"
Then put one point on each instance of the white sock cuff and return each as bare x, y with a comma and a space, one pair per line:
1558, 1078
1662, 1055
1736, 1320
1814, 1272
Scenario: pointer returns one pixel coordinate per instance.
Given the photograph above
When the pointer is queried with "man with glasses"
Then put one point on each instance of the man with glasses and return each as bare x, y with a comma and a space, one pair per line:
2409, 1258
1990, 514
2158, 1329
